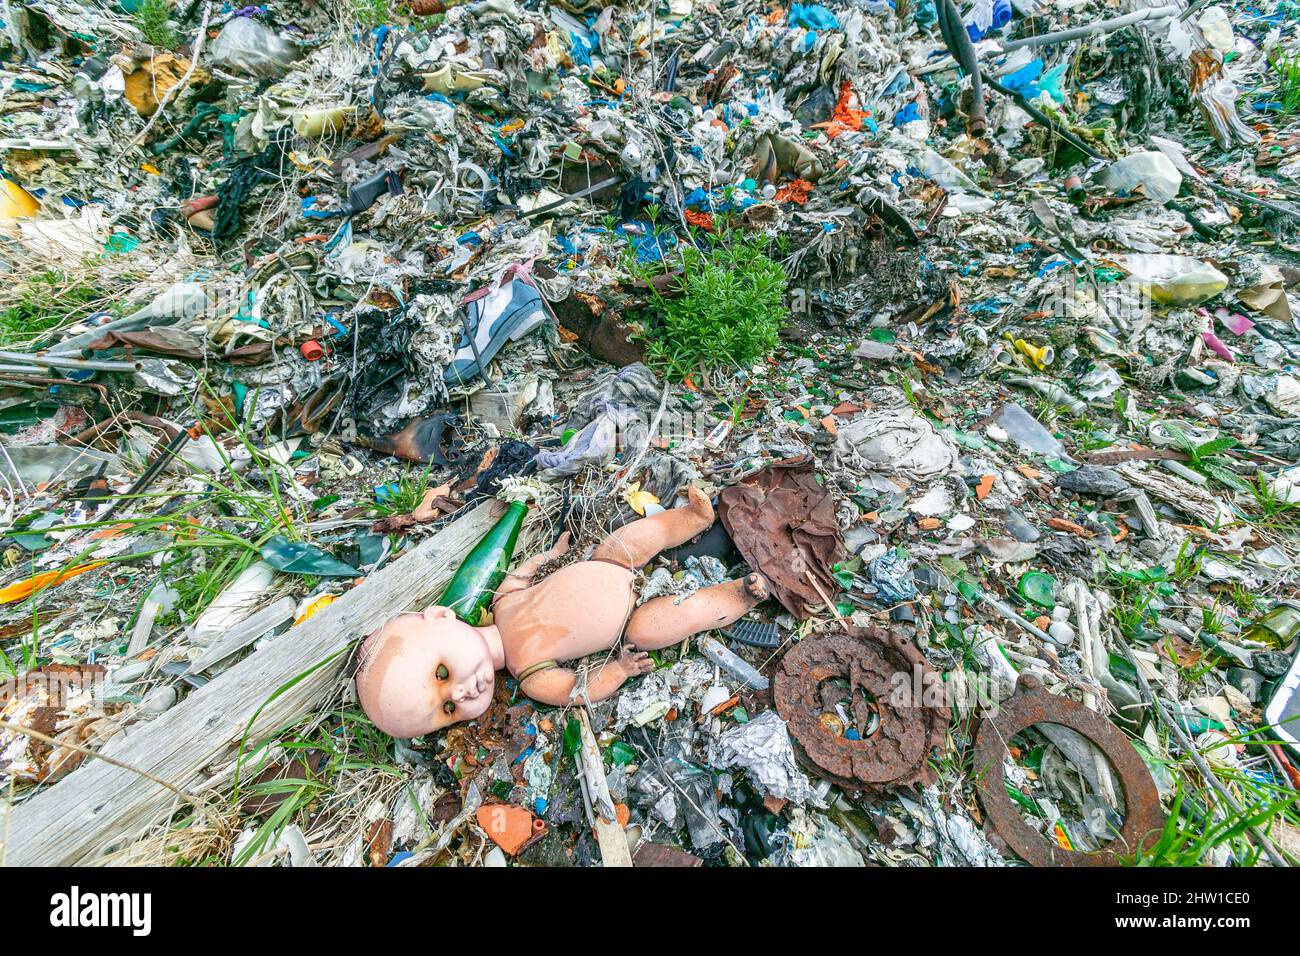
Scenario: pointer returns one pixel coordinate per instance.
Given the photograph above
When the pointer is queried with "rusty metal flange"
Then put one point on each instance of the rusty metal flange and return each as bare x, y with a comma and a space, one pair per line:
892, 671
1032, 704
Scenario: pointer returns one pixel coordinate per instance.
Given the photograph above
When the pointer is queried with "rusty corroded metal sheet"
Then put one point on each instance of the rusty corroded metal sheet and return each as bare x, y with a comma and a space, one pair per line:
784, 523
1032, 704
889, 669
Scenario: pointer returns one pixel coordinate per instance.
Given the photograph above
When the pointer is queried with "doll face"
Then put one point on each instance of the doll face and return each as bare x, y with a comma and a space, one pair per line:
422, 672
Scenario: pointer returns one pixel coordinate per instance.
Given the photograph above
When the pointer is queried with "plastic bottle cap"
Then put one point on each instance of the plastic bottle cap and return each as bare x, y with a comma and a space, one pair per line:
312, 350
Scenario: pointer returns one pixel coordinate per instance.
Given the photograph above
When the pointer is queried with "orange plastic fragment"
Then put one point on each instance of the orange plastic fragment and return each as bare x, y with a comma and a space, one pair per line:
511, 828
796, 191
1061, 524
703, 220
845, 117
24, 589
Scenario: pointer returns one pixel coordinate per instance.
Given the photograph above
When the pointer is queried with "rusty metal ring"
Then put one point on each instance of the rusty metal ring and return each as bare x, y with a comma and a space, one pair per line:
897, 753
1032, 704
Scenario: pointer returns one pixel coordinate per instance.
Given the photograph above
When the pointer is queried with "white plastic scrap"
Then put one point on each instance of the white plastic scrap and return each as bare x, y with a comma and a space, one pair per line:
701, 572
813, 840
672, 687
956, 839
763, 750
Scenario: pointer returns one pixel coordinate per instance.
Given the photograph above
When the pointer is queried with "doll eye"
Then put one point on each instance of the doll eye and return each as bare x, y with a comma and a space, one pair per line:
449, 707
441, 672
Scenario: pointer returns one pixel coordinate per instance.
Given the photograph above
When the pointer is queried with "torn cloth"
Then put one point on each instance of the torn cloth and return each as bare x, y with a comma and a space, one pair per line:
896, 442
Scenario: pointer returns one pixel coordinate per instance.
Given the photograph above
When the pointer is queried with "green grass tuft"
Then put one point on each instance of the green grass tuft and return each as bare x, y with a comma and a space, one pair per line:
152, 19
726, 311
48, 301
1286, 66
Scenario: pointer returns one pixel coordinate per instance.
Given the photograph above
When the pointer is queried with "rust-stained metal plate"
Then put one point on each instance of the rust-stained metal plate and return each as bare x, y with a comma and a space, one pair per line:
1032, 704
896, 752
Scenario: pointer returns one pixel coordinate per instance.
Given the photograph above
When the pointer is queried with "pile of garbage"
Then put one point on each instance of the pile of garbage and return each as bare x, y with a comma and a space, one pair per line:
972, 319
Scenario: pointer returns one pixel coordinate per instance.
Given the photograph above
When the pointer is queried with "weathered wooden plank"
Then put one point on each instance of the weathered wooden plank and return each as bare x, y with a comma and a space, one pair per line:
98, 805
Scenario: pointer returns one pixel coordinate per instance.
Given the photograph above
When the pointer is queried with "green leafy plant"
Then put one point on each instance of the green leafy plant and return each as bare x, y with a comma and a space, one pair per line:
725, 310
1200, 821
372, 13
152, 19
1187, 562
1091, 435
342, 742
1211, 622
737, 408
1286, 66
905, 381
1184, 842
1132, 612
376, 13
1047, 411
1207, 457
425, 24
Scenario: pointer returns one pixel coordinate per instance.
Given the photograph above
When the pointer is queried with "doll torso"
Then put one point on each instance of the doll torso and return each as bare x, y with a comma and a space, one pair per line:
578, 610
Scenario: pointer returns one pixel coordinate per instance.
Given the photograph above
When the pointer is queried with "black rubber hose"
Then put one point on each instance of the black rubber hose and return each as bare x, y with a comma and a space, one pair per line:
958, 42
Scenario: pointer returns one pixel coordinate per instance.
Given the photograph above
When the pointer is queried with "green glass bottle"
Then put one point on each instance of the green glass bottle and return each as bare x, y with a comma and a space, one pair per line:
472, 586
1278, 627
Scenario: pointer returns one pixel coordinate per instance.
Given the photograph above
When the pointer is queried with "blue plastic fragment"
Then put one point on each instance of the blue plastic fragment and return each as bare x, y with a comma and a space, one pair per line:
908, 114
812, 16
1001, 17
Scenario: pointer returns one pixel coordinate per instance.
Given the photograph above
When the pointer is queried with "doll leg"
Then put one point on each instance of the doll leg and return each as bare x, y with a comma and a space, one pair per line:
638, 541
660, 623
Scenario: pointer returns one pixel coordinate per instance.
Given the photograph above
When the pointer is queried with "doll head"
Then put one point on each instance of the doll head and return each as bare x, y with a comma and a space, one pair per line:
423, 671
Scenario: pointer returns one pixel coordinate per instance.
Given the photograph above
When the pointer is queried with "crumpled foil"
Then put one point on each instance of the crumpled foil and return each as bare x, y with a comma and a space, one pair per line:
762, 748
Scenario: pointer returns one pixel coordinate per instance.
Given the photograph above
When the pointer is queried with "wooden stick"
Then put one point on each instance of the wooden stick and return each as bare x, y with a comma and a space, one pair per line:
609, 834
822, 594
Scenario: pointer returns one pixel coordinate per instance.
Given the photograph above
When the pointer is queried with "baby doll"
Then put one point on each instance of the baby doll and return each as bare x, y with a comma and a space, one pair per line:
422, 672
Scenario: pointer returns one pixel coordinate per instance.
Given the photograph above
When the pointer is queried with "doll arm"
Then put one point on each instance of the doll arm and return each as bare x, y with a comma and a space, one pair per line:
522, 576
556, 685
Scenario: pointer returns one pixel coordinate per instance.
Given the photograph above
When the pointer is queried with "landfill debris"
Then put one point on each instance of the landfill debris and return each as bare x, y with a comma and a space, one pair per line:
971, 323
762, 748
511, 828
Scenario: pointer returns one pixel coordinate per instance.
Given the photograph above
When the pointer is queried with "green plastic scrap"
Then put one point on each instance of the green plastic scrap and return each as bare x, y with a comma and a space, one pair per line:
621, 754
298, 557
